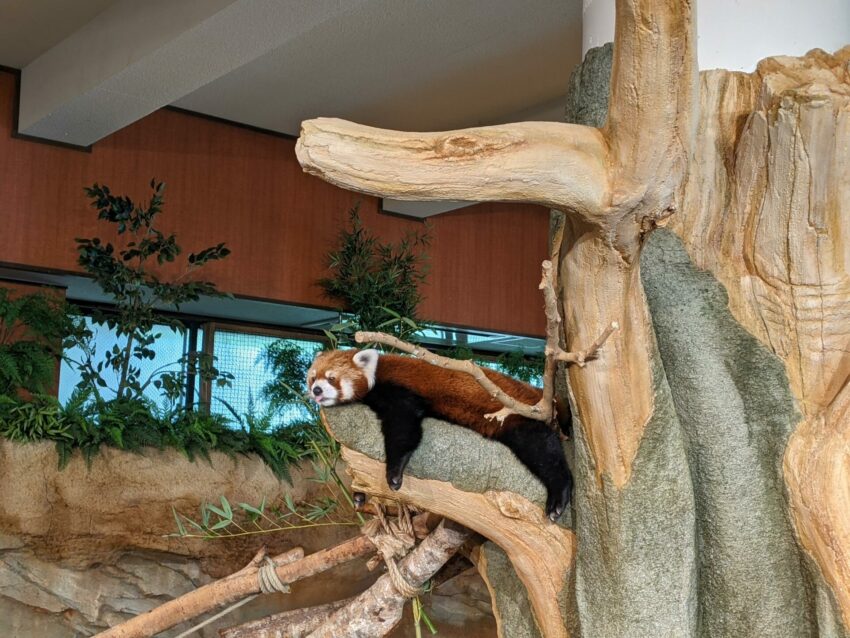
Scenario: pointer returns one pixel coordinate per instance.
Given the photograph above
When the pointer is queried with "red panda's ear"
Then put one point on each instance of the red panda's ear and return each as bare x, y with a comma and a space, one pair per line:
367, 361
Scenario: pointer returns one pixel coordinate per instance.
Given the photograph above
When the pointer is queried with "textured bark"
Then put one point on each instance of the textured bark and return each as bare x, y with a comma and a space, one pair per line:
377, 610
767, 214
296, 623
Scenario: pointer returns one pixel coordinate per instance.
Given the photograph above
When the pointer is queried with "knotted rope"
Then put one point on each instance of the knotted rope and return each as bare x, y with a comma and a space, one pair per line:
394, 539
268, 579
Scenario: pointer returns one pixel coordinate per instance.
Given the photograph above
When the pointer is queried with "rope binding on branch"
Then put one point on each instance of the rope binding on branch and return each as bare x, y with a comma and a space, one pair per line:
394, 539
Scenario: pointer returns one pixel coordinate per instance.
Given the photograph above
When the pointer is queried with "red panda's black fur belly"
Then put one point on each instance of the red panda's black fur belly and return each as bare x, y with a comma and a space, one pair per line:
402, 391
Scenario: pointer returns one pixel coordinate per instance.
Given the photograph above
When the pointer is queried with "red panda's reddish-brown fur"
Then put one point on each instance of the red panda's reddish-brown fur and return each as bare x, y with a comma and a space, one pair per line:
457, 396
402, 391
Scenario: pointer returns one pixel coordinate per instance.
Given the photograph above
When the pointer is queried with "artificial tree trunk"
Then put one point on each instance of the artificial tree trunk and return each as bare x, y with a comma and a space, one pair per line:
684, 522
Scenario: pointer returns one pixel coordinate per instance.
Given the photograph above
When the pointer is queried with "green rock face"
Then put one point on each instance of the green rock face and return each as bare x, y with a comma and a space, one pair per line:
736, 413
587, 97
635, 566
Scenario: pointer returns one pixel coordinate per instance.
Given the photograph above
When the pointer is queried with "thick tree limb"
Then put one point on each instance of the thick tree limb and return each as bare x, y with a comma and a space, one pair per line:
559, 165
296, 623
377, 610
235, 587
541, 552
652, 111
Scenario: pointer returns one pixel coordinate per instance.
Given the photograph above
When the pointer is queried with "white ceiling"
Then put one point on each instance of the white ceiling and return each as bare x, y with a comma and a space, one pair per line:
406, 64
28, 28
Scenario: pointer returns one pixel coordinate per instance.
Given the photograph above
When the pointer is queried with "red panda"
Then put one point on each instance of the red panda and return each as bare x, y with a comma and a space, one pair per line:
402, 391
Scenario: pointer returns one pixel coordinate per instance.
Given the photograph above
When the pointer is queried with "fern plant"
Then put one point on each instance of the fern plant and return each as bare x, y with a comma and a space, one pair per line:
38, 418
34, 330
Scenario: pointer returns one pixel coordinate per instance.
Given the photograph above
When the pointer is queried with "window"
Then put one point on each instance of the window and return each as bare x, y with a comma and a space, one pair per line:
169, 348
242, 355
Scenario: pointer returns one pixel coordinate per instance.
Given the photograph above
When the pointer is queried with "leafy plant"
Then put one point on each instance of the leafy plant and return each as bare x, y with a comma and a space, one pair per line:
34, 329
373, 278
243, 519
528, 368
87, 423
32, 420
129, 276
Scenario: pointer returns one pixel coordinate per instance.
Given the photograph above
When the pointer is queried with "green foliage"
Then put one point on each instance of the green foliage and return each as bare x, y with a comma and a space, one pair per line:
288, 364
34, 329
373, 278
226, 520
33, 420
520, 366
87, 423
128, 275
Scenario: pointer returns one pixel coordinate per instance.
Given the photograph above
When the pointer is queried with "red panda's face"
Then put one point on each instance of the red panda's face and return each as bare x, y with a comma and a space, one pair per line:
341, 376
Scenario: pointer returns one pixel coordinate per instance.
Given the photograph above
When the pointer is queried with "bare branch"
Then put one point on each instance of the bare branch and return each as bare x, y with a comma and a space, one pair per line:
377, 610
236, 587
476, 372
296, 623
543, 410
550, 163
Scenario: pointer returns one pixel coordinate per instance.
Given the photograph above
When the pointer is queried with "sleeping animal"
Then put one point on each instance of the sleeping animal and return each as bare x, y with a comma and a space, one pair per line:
402, 391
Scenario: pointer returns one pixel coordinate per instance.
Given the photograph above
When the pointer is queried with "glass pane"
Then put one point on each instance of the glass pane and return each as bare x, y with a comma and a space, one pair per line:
241, 354
169, 348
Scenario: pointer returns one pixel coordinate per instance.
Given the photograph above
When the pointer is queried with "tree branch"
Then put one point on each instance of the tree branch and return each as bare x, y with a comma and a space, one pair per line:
237, 586
296, 623
553, 164
541, 552
377, 610
652, 109
543, 410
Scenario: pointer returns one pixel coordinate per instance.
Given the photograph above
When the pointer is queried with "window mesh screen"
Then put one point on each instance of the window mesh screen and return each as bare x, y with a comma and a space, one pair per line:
169, 348
242, 355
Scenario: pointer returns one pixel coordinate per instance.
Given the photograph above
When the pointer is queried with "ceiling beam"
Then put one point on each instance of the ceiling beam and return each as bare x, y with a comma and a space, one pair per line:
136, 57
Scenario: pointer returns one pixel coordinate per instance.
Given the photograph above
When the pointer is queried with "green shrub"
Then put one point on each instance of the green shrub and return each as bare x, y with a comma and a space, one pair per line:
33, 420
129, 277
87, 424
34, 329
373, 278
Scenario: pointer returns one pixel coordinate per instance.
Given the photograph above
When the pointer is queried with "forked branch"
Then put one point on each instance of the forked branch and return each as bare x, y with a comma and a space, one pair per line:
543, 410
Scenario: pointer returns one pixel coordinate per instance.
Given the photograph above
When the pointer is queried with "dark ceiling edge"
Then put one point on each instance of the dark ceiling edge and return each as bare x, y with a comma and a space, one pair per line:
222, 120
16, 107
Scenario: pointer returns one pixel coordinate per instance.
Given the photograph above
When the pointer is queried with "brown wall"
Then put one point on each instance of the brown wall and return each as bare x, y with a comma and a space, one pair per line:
227, 183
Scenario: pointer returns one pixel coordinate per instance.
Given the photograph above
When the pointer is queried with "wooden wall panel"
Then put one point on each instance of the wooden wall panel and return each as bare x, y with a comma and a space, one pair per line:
227, 183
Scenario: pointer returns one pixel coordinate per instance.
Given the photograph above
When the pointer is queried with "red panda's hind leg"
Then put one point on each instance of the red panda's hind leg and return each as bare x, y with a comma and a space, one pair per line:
539, 448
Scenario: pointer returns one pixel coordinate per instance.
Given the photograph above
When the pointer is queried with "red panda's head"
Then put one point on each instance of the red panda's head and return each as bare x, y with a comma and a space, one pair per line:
341, 376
